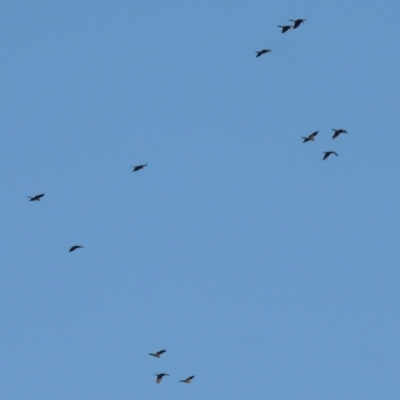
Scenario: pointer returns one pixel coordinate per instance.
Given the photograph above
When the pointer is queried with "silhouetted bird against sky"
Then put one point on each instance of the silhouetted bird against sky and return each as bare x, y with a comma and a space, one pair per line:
285, 28
36, 198
261, 52
187, 380
338, 132
73, 248
158, 354
310, 137
328, 153
138, 167
160, 376
297, 22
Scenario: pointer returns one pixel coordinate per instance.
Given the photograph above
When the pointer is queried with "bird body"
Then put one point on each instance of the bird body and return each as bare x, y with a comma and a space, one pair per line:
310, 137
261, 52
297, 22
138, 167
73, 248
158, 353
328, 153
337, 132
285, 28
160, 376
36, 198
187, 380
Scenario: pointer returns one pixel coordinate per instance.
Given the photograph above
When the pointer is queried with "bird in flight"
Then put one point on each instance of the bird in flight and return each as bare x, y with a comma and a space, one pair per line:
261, 52
297, 22
73, 248
310, 137
158, 354
36, 198
160, 376
188, 380
338, 132
138, 167
328, 153
285, 28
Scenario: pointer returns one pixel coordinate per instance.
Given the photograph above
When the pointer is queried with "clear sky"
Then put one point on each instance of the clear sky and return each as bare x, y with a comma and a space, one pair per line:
264, 271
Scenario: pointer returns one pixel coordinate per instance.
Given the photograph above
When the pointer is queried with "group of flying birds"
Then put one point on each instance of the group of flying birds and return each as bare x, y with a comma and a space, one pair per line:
77, 246
285, 28
162, 374
311, 138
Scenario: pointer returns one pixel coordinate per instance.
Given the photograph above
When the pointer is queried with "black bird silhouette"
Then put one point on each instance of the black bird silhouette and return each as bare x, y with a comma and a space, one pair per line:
297, 22
310, 137
73, 248
188, 380
158, 353
36, 198
338, 132
261, 52
160, 376
285, 28
328, 153
138, 167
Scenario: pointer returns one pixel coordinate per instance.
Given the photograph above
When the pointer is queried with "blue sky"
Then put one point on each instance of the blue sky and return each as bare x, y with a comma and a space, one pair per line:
263, 271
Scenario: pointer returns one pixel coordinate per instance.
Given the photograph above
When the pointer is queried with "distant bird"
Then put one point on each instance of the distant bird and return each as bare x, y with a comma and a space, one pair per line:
297, 22
188, 380
285, 28
138, 167
73, 248
338, 132
310, 137
36, 198
160, 376
328, 153
158, 354
261, 52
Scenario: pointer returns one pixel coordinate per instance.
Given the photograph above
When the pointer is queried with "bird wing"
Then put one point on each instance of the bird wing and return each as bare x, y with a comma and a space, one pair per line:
161, 352
40, 195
